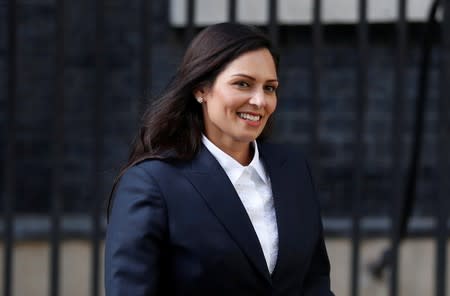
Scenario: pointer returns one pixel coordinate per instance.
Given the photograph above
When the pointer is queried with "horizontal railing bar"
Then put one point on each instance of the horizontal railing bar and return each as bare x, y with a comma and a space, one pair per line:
36, 227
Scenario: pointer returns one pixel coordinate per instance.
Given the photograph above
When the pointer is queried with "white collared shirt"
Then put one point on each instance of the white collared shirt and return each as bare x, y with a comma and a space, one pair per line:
255, 191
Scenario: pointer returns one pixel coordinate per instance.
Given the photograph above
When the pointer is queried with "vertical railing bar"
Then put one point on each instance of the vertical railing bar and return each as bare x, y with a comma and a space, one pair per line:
98, 117
190, 30
405, 205
57, 149
443, 148
10, 151
361, 102
145, 73
232, 10
317, 36
58, 144
396, 148
273, 21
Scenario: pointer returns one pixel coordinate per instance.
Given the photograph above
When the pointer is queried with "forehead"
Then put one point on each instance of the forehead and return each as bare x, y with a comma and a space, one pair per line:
254, 63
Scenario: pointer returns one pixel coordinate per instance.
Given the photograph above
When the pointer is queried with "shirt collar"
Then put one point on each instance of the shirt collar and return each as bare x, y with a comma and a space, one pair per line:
231, 166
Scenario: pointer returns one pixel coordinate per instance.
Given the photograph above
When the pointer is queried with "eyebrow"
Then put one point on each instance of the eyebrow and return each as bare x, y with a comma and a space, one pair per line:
252, 78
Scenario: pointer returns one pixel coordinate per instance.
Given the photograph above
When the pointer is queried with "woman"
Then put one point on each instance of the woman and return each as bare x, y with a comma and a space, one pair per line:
204, 206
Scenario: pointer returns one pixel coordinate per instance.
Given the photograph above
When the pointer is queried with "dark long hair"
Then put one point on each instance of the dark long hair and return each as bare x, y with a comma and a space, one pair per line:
171, 127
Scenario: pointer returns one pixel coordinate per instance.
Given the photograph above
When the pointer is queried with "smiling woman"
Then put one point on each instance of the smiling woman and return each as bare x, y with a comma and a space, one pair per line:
204, 205
239, 103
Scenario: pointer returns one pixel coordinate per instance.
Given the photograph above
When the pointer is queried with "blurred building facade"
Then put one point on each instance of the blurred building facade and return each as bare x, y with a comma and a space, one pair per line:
124, 94
132, 78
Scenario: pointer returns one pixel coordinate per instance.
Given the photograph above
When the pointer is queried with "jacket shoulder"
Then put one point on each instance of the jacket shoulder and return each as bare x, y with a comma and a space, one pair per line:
156, 165
283, 151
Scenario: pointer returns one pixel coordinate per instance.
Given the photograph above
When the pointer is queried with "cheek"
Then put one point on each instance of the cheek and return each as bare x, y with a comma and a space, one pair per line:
223, 100
219, 109
232, 103
272, 106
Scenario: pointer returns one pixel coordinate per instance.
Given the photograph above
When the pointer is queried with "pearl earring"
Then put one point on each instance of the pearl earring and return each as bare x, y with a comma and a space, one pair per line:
200, 100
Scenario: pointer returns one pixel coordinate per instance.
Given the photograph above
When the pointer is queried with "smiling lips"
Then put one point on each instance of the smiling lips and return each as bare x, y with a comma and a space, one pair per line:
251, 119
249, 116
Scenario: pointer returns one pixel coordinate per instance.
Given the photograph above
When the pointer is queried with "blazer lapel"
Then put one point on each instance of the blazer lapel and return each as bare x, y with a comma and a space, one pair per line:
213, 184
274, 162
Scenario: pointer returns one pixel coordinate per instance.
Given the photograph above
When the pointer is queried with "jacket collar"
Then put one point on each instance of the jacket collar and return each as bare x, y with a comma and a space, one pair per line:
208, 177
231, 166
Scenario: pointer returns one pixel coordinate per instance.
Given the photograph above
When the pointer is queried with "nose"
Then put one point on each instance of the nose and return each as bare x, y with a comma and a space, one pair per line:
258, 99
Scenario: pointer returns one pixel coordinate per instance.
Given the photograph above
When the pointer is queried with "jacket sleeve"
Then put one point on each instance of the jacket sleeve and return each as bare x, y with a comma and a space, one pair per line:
135, 237
317, 282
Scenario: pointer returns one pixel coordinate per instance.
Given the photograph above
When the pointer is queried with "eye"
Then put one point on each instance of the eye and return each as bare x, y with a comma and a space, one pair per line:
242, 84
270, 88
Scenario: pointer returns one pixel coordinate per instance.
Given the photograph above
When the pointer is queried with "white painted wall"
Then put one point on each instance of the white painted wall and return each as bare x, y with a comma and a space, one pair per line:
296, 11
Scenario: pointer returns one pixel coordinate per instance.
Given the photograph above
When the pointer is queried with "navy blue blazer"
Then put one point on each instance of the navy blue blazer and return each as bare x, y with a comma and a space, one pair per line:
179, 228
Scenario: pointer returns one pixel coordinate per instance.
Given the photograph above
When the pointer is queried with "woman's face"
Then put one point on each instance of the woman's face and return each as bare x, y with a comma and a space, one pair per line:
237, 106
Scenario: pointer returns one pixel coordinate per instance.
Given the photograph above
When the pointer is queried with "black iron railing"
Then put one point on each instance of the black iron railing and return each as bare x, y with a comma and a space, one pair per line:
403, 190
9, 190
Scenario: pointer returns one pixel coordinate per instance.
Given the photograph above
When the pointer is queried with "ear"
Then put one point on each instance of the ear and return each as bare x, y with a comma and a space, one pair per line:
201, 92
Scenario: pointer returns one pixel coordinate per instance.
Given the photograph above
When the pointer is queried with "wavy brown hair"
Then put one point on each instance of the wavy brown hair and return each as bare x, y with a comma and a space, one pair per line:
172, 126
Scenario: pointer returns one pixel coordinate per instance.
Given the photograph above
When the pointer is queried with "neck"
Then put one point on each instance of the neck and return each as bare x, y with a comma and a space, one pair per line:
243, 156
241, 152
